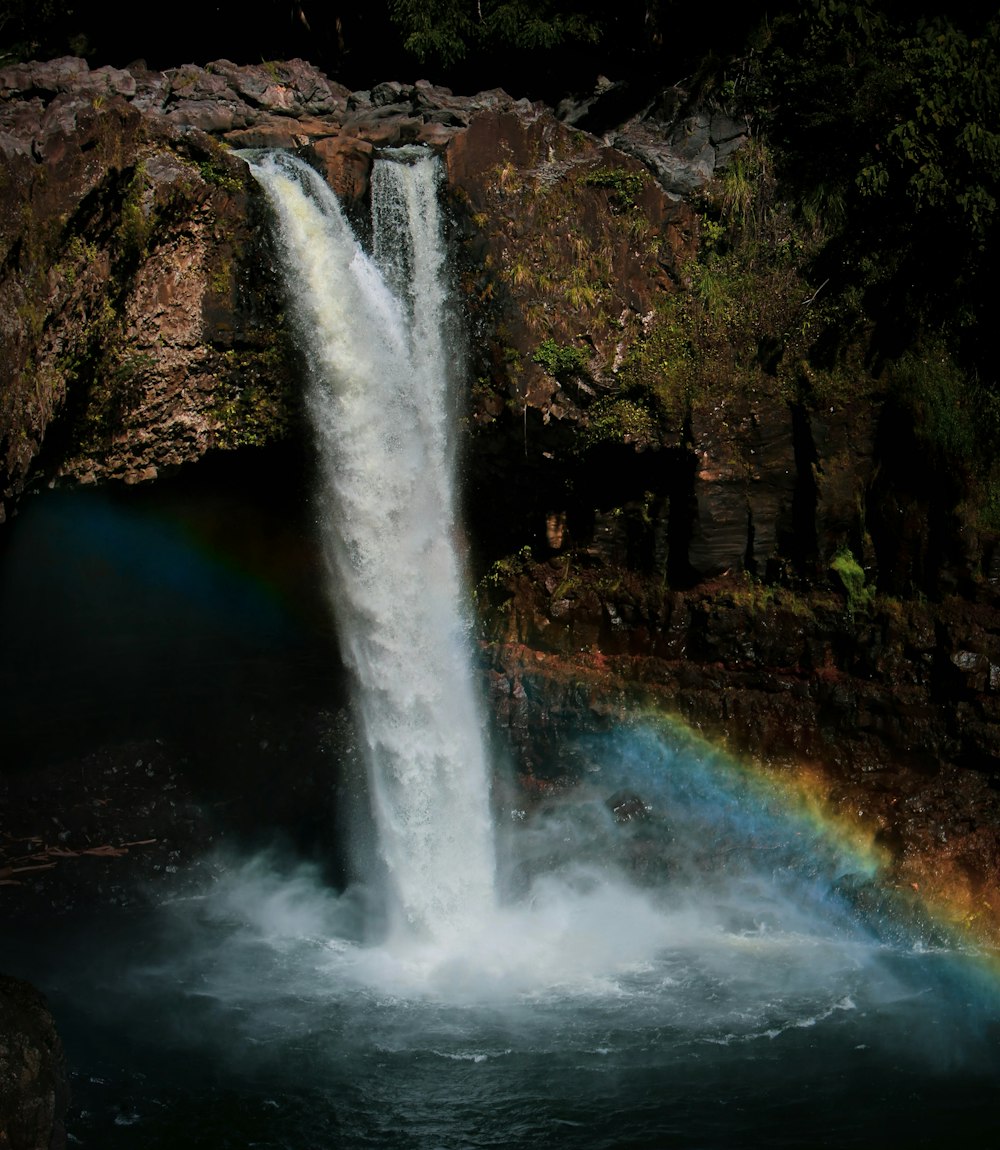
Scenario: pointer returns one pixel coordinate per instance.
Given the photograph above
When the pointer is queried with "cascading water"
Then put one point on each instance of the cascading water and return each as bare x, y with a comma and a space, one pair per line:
373, 330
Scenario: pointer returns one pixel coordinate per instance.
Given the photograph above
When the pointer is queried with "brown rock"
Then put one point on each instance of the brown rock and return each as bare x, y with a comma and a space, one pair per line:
34, 1091
347, 164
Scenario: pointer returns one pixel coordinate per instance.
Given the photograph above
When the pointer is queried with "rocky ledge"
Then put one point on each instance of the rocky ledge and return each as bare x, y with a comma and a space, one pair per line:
141, 324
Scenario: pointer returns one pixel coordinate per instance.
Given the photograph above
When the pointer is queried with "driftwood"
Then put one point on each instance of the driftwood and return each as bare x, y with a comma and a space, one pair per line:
46, 858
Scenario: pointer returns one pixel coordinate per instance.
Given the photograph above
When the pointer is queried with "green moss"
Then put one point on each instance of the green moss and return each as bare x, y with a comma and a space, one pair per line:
624, 187
560, 360
253, 406
76, 255
137, 224
759, 598
852, 579
251, 419
212, 172
504, 570
619, 420
220, 280
116, 391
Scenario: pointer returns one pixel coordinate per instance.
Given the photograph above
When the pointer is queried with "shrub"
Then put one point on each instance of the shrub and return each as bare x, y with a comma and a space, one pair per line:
852, 578
560, 360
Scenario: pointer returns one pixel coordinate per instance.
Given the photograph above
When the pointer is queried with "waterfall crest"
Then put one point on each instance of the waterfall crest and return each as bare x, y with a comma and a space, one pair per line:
374, 334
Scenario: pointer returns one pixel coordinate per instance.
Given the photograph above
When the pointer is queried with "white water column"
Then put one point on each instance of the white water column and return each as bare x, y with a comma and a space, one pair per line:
373, 330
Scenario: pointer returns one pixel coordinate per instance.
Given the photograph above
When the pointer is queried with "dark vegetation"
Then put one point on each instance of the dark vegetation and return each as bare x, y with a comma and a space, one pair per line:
539, 48
882, 120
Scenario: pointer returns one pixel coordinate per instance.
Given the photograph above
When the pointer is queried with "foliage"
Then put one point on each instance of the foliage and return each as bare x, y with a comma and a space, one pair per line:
664, 364
852, 579
619, 420
750, 318
27, 28
624, 187
884, 118
882, 121
945, 155
560, 360
445, 31
747, 189
504, 570
956, 424
927, 384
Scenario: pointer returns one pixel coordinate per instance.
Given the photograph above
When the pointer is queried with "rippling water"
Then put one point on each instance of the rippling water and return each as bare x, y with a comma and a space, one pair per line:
278, 1045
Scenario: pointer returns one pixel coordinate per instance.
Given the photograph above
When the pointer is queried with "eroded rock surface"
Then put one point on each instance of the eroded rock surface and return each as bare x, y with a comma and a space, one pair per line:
135, 336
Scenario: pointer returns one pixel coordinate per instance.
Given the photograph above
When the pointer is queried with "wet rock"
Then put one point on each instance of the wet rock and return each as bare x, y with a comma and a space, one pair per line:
893, 915
34, 1091
627, 807
346, 163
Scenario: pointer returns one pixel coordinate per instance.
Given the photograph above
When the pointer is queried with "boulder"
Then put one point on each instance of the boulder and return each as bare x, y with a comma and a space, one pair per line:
34, 1090
627, 807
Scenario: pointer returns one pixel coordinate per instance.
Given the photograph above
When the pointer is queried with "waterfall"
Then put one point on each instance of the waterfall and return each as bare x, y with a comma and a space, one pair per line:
374, 333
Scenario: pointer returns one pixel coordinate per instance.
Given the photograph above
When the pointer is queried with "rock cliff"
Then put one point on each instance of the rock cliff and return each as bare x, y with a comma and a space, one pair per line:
678, 495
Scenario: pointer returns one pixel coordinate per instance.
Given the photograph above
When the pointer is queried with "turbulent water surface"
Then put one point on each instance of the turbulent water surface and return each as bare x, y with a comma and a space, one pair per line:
637, 987
709, 971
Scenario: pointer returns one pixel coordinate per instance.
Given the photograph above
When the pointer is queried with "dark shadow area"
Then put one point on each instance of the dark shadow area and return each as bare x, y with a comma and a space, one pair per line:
169, 680
909, 512
187, 609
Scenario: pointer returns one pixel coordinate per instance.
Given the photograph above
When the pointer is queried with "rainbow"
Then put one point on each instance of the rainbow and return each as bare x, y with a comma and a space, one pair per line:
792, 802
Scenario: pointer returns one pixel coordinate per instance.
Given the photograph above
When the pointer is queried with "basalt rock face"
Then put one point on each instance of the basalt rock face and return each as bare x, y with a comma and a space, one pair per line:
891, 712
143, 324
137, 333
670, 503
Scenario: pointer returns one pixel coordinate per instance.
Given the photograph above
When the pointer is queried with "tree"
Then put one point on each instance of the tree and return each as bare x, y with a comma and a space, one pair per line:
446, 30
886, 120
